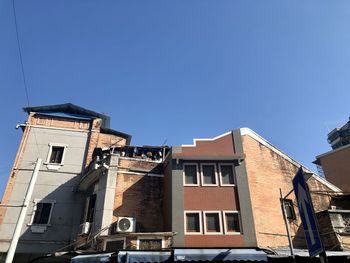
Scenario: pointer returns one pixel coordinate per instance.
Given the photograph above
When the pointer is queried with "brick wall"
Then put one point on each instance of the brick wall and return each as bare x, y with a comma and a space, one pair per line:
139, 195
267, 172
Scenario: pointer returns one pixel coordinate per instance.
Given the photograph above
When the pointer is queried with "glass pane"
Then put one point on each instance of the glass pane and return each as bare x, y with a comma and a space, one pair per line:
150, 244
192, 222
191, 174
227, 174
213, 224
232, 222
209, 174
114, 245
42, 213
56, 154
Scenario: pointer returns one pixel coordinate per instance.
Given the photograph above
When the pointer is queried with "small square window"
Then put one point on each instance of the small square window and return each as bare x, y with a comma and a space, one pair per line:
232, 223
289, 208
190, 174
212, 223
56, 154
227, 174
209, 174
193, 223
42, 213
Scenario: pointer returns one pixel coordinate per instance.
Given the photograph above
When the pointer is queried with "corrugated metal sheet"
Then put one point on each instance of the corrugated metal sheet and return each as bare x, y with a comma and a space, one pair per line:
93, 258
219, 255
143, 256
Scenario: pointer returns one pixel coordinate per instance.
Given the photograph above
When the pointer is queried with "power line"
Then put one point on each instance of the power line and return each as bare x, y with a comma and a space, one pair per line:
22, 67
20, 52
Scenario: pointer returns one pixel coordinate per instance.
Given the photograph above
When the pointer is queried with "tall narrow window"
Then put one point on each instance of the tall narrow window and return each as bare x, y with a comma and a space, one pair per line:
227, 174
232, 222
212, 223
209, 175
193, 223
91, 209
190, 174
289, 208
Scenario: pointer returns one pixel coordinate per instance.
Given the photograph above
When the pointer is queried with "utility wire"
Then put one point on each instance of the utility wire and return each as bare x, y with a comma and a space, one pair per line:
20, 52
22, 68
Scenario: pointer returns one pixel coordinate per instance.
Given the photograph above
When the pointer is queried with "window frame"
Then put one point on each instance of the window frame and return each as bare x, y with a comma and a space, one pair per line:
36, 202
197, 174
51, 145
290, 203
234, 174
111, 239
225, 223
206, 232
200, 222
147, 238
215, 171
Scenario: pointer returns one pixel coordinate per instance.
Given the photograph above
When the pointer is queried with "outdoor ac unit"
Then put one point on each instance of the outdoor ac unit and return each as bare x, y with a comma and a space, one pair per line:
125, 225
84, 228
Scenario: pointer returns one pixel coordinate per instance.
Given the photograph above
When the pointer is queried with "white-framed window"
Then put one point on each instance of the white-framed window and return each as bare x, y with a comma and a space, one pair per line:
232, 222
56, 154
150, 243
209, 174
42, 212
193, 222
212, 223
114, 244
190, 174
227, 174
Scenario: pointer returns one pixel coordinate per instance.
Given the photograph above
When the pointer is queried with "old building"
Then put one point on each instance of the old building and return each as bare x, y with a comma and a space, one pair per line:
216, 199
225, 192
335, 163
123, 186
64, 137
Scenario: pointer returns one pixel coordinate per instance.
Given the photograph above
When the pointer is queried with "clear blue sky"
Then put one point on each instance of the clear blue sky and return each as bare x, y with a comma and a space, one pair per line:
176, 70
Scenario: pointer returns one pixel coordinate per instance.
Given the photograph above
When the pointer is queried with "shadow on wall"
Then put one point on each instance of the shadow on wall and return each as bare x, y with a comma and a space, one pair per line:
141, 197
63, 225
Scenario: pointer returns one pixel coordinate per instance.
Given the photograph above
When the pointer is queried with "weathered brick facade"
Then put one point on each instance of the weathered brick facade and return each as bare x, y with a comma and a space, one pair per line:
268, 171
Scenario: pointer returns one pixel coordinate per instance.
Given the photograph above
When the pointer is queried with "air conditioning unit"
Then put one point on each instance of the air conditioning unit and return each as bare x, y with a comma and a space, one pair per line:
125, 225
84, 228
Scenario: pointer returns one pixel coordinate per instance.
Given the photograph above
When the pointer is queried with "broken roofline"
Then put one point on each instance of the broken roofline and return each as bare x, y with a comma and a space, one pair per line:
141, 153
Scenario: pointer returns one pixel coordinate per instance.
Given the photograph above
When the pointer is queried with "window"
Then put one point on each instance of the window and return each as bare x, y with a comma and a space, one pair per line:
193, 222
42, 212
212, 222
150, 244
191, 174
56, 154
209, 177
227, 174
91, 201
289, 208
55, 158
112, 245
232, 222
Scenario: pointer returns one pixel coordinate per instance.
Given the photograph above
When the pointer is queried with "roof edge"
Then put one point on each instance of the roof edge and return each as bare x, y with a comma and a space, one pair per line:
259, 138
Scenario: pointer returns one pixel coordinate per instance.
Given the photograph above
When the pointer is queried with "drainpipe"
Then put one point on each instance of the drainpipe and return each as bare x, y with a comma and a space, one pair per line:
27, 198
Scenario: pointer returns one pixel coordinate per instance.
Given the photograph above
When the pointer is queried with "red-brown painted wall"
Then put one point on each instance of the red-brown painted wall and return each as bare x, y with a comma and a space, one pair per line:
222, 146
336, 167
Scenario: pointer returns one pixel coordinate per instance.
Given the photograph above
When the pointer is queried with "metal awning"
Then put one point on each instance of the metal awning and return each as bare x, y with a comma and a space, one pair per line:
143, 256
92, 258
219, 255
